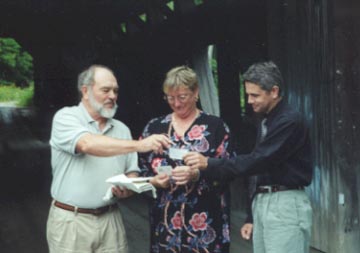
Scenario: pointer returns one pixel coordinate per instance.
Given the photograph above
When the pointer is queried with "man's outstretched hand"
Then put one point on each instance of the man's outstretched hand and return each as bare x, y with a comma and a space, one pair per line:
196, 161
156, 143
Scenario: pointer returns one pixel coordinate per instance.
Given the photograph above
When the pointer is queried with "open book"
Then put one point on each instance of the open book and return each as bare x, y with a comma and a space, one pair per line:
136, 184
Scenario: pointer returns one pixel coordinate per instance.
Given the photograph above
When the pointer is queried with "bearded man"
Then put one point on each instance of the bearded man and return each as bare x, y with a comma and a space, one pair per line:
87, 147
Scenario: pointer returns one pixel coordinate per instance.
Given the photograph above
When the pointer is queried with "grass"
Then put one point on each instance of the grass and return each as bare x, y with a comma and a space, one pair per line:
21, 97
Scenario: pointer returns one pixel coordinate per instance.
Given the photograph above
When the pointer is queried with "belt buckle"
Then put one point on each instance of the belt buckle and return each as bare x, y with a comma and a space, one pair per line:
98, 212
268, 188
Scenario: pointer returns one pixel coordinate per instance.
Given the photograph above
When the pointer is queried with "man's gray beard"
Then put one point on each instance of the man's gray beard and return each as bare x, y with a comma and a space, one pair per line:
99, 108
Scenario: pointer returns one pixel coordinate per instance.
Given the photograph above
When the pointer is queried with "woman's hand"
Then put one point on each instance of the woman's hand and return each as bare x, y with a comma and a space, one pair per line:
161, 180
196, 161
184, 174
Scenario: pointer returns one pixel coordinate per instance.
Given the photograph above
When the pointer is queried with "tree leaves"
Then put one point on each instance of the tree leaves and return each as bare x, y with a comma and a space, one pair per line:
16, 65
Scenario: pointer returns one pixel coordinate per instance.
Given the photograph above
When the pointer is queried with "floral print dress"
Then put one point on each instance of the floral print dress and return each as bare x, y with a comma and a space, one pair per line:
194, 217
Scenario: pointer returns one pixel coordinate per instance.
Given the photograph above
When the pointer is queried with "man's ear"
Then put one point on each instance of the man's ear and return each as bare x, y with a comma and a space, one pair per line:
85, 91
275, 92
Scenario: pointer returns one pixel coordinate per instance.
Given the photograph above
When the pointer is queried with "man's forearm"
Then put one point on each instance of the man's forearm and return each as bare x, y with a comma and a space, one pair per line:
223, 169
241, 165
100, 145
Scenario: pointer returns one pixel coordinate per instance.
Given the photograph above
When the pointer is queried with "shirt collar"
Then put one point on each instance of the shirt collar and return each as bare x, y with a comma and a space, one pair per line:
278, 107
89, 119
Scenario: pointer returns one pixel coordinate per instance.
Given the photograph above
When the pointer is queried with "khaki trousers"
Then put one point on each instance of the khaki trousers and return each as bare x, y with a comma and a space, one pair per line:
282, 222
85, 233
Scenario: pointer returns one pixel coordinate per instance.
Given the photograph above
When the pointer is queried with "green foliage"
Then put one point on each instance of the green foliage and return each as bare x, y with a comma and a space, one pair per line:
198, 2
9, 49
16, 65
214, 69
171, 5
25, 65
20, 96
123, 27
143, 17
212, 53
242, 95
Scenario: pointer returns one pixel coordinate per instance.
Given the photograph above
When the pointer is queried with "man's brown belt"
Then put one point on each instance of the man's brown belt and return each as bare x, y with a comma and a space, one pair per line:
96, 211
276, 188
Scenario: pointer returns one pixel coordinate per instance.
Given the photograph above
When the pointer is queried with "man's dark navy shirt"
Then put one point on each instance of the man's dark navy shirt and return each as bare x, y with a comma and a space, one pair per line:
283, 157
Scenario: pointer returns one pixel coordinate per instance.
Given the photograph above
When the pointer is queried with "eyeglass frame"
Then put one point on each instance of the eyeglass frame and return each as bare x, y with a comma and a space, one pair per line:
181, 98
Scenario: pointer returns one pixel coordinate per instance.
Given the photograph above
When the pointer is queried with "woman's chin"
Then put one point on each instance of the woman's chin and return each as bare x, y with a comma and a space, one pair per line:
180, 114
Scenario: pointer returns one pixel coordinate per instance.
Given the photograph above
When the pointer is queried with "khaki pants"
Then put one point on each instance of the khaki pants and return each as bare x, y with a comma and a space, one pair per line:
282, 222
85, 233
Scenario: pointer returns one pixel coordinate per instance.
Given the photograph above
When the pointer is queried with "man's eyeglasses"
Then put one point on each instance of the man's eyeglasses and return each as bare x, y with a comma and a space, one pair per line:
181, 98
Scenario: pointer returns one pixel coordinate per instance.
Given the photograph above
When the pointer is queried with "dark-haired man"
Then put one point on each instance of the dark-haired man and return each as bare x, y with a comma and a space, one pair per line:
281, 161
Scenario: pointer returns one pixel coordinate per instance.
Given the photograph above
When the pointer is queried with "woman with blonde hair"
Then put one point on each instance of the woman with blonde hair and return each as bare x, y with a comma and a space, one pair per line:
191, 212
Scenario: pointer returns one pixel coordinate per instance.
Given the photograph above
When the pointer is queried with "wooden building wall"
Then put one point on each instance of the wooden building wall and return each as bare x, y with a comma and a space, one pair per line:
317, 43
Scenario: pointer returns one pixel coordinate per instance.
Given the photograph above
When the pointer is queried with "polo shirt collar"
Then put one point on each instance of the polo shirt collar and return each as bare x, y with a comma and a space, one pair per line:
89, 119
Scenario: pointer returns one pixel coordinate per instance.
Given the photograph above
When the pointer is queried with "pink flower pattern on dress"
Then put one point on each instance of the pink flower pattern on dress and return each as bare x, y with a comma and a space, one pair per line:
201, 146
196, 132
198, 221
155, 164
176, 220
221, 150
193, 217
176, 137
